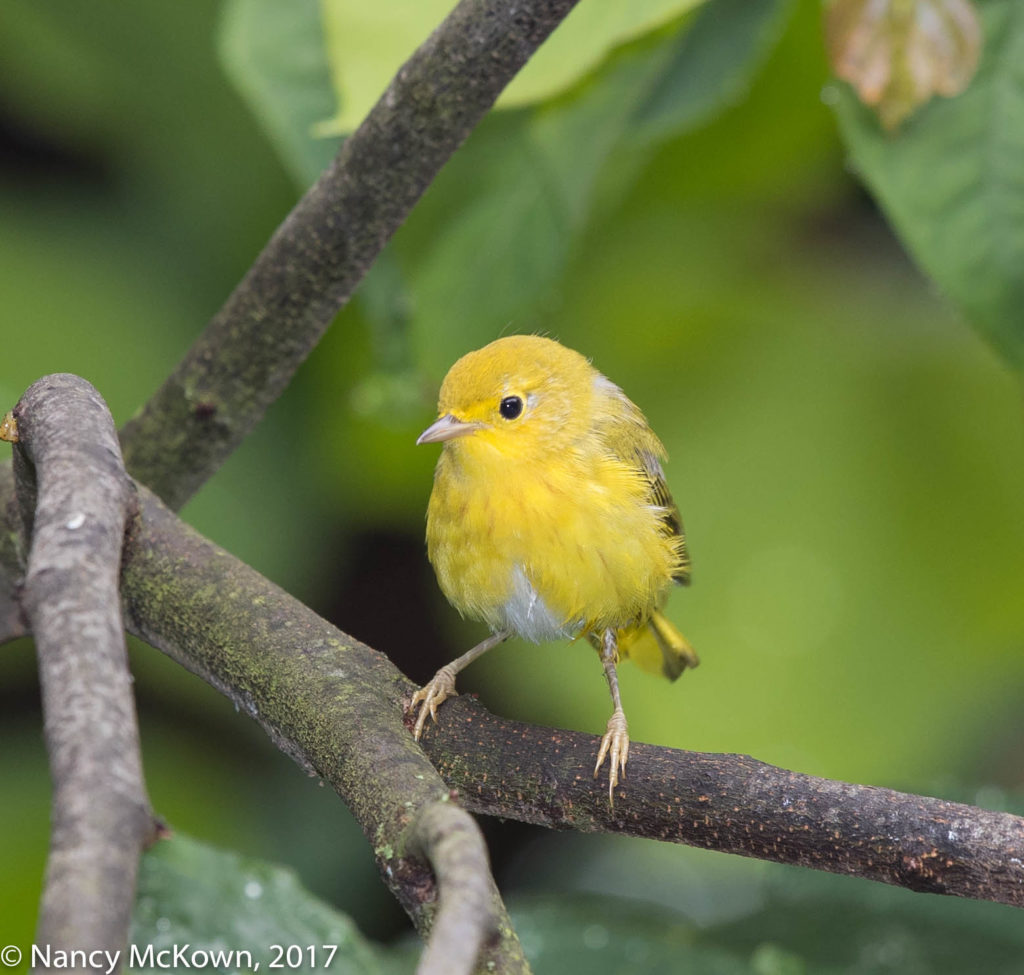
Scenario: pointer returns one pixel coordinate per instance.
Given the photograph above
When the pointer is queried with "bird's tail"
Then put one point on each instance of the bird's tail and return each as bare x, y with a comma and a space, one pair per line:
657, 647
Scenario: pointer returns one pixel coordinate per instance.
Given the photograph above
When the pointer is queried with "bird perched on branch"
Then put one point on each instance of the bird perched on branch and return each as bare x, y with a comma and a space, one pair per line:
550, 518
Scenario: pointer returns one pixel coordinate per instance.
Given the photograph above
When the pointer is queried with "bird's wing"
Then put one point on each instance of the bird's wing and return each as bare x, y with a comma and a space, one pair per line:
624, 430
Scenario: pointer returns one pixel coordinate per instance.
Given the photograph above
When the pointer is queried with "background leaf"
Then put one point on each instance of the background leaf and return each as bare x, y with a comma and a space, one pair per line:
193, 894
275, 55
848, 454
367, 43
952, 184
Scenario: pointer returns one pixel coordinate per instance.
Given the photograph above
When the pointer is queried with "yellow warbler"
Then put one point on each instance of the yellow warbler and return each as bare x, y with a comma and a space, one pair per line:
550, 517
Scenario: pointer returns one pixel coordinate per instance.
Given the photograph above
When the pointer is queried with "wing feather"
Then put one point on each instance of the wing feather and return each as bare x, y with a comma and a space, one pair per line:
626, 434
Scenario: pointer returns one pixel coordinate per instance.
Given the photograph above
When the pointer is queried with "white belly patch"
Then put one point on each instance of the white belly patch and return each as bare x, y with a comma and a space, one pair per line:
529, 616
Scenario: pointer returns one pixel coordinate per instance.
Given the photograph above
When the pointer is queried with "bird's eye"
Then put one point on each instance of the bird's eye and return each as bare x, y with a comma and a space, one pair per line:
511, 407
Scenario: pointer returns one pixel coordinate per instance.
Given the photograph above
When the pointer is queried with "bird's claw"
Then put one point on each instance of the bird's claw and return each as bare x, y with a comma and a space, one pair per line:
614, 744
431, 696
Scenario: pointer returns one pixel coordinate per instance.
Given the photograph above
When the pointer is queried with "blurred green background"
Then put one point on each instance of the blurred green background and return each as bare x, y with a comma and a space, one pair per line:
847, 453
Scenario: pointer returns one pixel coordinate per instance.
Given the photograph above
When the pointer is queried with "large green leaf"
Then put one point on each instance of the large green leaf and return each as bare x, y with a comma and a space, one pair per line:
274, 53
952, 182
367, 43
840, 926
202, 899
493, 235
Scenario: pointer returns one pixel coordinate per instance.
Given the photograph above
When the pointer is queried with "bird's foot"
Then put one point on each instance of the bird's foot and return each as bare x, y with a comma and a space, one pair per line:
431, 696
614, 744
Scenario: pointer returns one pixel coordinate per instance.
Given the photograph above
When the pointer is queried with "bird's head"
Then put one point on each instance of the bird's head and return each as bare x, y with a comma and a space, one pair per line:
522, 396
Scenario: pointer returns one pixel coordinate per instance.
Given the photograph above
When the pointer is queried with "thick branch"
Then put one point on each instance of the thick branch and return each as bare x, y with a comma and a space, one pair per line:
315, 259
336, 705
730, 803
333, 704
74, 497
540, 775
724, 802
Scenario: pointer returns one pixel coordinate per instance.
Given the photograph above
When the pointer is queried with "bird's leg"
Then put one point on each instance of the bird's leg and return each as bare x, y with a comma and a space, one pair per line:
615, 742
429, 697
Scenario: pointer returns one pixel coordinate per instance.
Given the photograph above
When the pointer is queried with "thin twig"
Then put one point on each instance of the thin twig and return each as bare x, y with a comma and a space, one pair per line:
315, 259
328, 701
75, 497
468, 908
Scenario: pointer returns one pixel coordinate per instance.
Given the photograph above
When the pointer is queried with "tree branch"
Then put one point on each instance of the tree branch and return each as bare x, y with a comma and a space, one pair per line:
730, 803
315, 259
12, 618
285, 666
469, 909
74, 497
328, 701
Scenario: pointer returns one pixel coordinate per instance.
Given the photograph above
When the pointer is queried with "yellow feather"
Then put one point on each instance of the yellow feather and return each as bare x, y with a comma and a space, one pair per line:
557, 521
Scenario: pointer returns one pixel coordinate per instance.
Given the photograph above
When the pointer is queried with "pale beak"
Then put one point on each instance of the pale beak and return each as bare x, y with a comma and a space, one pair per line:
446, 427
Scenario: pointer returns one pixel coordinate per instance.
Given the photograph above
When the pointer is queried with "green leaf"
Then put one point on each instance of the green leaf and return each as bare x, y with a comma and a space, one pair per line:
210, 900
839, 925
612, 936
952, 182
711, 66
367, 44
274, 54
512, 202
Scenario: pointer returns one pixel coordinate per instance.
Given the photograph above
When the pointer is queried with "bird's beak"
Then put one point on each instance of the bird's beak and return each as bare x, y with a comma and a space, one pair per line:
446, 427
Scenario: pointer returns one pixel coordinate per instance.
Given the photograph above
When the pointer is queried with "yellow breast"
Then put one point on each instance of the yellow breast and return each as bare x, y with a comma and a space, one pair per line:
550, 549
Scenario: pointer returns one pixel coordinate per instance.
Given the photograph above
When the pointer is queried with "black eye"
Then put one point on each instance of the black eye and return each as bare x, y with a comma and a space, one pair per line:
511, 407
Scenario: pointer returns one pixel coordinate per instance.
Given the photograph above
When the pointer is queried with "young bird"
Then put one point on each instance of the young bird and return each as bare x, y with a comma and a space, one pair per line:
550, 517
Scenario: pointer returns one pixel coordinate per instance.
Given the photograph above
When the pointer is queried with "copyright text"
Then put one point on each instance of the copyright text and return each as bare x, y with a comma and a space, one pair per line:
185, 957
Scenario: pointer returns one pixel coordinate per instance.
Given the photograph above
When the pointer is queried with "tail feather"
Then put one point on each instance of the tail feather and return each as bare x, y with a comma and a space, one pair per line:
658, 647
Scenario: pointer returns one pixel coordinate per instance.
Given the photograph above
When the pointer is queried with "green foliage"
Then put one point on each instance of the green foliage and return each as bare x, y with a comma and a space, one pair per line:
796, 923
644, 90
952, 183
191, 894
366, 44
848, 456
275, 55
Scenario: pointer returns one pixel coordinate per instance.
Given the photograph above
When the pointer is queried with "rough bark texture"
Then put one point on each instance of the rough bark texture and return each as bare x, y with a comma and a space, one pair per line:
291, 670
467, 915
12, 620
315, 259
74, 497
328, 701
730, 803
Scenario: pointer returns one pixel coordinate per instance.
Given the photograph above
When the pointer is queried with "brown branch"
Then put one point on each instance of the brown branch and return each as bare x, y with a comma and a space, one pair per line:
730, 803
319, 692
74, 497
469, 903
12, 617
328, 701
315, 259
12, 620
